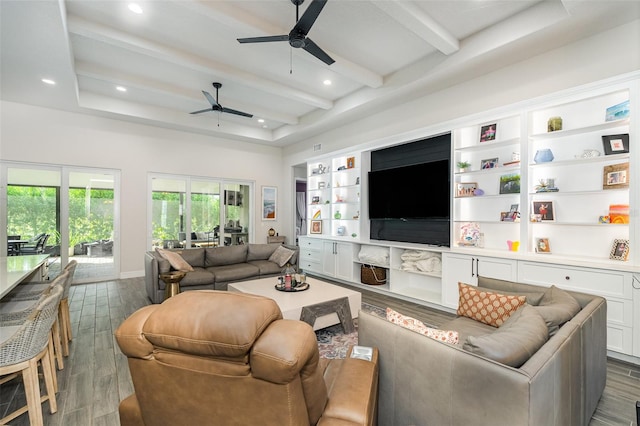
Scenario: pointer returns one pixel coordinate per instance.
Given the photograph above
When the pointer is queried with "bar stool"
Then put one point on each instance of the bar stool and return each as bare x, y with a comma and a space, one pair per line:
14, 312
22, 347
64, 314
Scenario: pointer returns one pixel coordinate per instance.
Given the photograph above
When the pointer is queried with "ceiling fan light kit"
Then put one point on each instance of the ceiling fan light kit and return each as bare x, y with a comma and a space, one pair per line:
297, 38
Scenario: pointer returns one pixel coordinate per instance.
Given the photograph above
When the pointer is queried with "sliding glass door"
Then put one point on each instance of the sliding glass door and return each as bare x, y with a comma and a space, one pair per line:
75, 208
198, 212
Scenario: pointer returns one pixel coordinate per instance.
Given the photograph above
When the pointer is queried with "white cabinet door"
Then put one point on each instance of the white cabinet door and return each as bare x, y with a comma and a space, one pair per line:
466, 269
344, 261
337, 260
329, 258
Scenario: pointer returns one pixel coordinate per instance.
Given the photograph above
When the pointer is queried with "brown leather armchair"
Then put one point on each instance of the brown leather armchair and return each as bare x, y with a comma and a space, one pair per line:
210, 357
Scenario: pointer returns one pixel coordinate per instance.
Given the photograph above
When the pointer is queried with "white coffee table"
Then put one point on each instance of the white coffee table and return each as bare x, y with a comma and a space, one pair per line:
291, 303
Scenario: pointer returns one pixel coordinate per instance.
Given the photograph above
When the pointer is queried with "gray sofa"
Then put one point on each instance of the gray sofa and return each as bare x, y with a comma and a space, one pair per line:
425, 381
216, 267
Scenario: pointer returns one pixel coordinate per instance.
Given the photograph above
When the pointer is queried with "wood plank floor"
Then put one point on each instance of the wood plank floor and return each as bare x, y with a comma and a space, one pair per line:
96, 375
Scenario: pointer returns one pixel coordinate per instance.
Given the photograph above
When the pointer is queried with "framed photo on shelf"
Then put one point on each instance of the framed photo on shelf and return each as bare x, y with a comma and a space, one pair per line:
351, 162
544, 209
510, 184
315, 199
615, 144
542, 245
269, 202
489, 163
615, 176
316, 227
488, 132
619, 250
466, 189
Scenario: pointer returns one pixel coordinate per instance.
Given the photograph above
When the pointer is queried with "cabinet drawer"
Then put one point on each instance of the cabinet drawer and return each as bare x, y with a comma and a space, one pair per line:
306, 254
311, 244
309, 266
595, 281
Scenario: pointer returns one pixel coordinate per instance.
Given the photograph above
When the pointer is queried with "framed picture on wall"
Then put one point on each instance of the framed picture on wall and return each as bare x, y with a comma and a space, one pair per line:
269, 202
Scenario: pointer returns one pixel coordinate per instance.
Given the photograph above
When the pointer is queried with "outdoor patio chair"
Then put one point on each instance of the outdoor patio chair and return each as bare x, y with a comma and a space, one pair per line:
39, 246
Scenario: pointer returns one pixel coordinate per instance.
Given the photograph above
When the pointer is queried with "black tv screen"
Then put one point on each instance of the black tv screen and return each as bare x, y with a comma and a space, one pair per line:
420, 191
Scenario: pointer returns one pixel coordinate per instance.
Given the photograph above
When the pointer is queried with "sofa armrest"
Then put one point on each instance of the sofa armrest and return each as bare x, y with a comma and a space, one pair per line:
151, 280
353, 392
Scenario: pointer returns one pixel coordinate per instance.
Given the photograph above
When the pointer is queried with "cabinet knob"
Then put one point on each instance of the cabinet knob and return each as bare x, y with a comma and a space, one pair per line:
567, 277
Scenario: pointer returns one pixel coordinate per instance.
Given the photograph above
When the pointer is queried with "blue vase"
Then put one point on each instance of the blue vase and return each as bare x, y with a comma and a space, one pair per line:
543, 156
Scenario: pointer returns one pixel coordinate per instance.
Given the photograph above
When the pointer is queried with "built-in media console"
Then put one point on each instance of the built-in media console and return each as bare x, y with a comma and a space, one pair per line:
409, 192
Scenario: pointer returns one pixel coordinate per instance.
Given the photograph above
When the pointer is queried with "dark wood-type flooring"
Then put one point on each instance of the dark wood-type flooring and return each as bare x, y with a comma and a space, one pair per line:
96, 375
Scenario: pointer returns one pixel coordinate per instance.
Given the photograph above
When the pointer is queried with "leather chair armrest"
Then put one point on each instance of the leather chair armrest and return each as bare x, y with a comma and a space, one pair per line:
130, 414
353, 392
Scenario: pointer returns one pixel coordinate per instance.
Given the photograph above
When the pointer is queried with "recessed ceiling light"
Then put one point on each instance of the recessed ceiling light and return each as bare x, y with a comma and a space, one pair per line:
260, 120
48, 81
327, 82
135, 8
121, 89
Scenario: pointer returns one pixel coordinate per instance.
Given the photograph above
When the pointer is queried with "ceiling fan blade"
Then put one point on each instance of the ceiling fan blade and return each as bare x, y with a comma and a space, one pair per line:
309, 17
264, 39
236, 112
202, 110
212, 101
313, 48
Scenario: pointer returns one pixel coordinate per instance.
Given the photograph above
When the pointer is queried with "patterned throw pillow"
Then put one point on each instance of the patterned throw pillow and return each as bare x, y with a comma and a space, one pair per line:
176, 261
446, 336
487, 307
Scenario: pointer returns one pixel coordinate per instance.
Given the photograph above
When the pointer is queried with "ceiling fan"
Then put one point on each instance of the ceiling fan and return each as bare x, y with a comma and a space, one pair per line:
298, 36
215, 106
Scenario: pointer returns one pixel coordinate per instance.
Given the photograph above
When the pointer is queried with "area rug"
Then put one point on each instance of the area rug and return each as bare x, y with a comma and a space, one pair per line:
333, 343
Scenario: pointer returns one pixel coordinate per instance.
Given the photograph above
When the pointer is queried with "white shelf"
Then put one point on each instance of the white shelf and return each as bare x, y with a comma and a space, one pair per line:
580, 130
581, 161
482, 146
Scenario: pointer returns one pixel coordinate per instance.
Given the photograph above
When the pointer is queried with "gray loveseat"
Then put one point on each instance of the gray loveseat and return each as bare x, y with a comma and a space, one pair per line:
425, 381
216, 267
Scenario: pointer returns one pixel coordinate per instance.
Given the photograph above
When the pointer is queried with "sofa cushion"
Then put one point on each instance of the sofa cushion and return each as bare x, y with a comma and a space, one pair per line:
557, 307
281, 255
446, 336
260, 251
487, 307
236, 272
194, 257
521, 335
176, 261
266, 267
227, 255
502, 286
163, 264
198, 277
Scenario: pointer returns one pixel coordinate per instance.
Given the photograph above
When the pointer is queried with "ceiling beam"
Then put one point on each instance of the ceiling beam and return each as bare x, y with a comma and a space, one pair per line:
147, 84
102, 33
419, 22
225, 13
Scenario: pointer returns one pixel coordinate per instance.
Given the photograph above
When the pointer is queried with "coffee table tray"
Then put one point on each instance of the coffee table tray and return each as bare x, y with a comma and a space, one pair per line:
302, 287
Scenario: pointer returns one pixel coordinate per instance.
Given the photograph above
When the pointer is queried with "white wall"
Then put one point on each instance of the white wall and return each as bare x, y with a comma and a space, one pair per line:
41, 135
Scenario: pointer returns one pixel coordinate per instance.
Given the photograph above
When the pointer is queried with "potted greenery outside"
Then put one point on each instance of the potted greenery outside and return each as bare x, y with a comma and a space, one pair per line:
463, 166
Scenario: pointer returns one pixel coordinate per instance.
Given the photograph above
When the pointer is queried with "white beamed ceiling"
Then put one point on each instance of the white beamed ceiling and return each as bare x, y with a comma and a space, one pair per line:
387, 52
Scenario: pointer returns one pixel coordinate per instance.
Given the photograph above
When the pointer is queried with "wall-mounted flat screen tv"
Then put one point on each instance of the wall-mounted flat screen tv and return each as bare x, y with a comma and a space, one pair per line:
420, 191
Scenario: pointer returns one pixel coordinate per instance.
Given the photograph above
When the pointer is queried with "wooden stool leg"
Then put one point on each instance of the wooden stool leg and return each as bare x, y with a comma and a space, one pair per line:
63, 331
57, 346
49, 373
64, 305
32, 393
52, 362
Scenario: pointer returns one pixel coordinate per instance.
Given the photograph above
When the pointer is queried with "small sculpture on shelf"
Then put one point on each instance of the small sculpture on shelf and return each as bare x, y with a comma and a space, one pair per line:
546, 185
